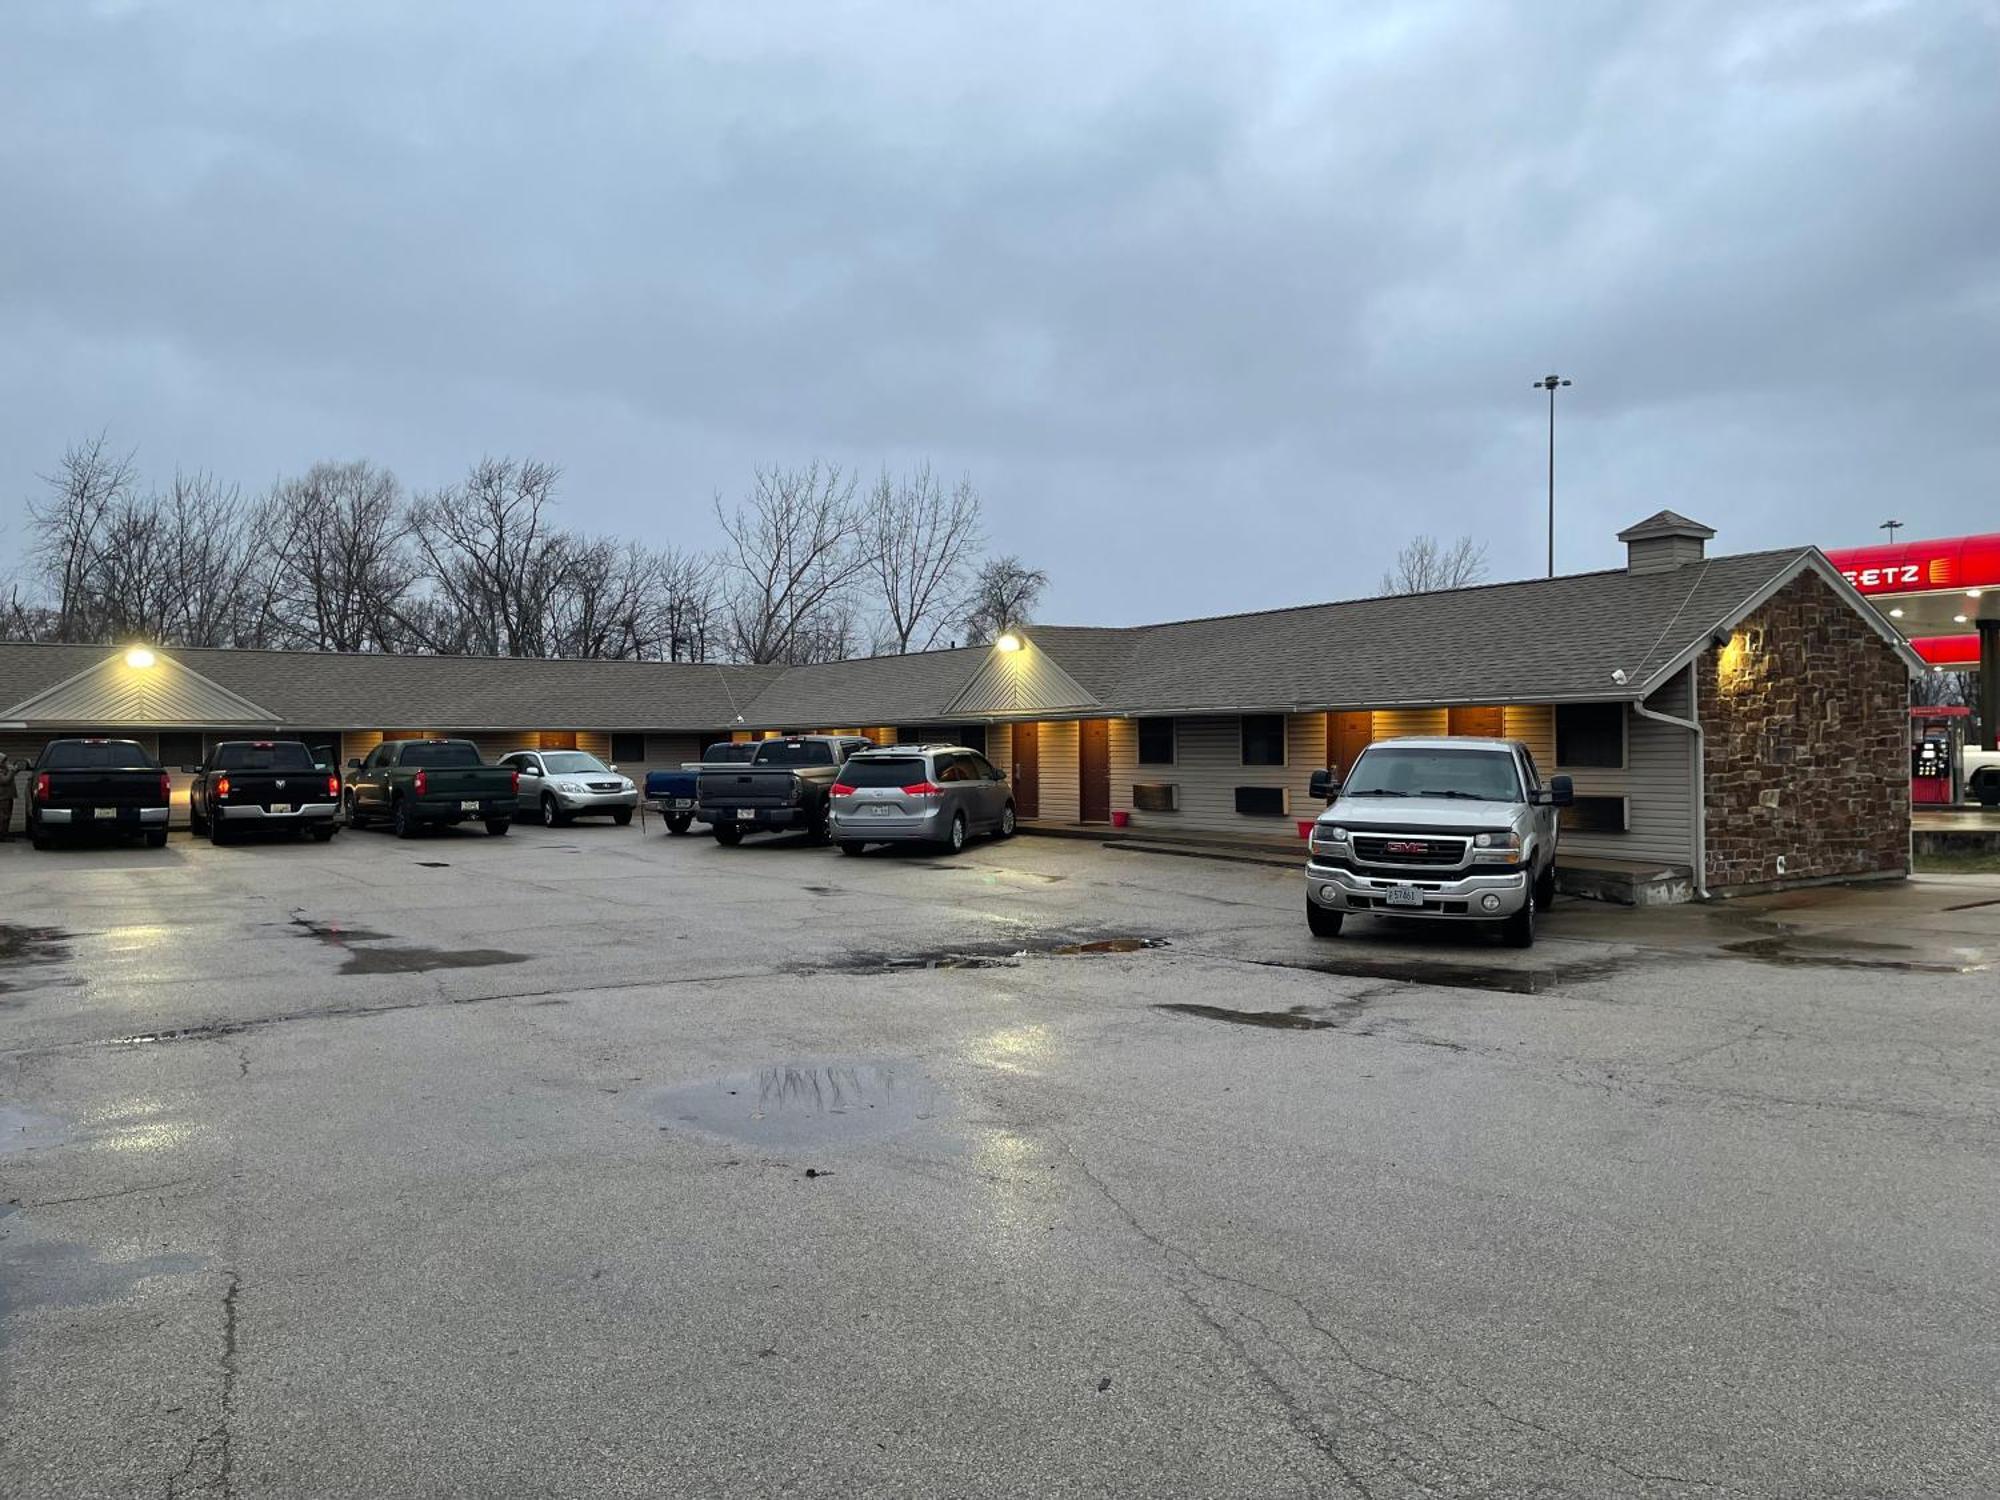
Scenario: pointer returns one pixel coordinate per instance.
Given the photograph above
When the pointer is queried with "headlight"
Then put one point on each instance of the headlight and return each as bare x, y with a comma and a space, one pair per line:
1505, 845
569, 786
1324, 834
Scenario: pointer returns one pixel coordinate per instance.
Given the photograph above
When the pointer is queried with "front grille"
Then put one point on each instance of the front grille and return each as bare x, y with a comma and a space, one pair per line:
1408, 849
603, 786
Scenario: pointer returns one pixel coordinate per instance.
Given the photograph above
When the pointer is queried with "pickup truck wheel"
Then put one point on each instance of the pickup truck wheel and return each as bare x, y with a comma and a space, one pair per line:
497, 827
156, 838
197, 824
851, 846
622, 817
1323, 921
552, 815
1545, 886
821, 829
38, 841
323, 832
1518, 931
400, 820
678, 823
355, 819
218, 833
728, 835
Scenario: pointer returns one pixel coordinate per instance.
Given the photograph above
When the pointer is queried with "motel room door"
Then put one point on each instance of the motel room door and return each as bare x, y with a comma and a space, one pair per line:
1027, 759
1093, 769
1347, 735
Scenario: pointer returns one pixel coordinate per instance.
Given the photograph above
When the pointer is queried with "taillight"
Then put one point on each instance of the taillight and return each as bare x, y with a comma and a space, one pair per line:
840, 789
923, 789
422, 784
42, 787
517, 781
166, 787
222, 786
333, 786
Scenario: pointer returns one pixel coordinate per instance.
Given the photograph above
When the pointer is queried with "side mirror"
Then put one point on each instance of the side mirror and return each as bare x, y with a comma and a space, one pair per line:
1562, 791
354, 764
194, 770
1324, 784
614, 765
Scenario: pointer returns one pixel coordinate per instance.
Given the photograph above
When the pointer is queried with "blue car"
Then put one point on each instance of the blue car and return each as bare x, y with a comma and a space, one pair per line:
672, 793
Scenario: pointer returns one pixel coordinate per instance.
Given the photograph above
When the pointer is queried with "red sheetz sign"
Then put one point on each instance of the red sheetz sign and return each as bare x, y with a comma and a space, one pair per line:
1965, 562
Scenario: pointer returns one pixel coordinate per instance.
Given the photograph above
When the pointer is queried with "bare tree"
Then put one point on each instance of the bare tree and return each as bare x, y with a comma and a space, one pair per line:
1423, 566
492, 560
793, 552
208, 560
88, 486
341, 571
1004, 594
920, 542
690, 603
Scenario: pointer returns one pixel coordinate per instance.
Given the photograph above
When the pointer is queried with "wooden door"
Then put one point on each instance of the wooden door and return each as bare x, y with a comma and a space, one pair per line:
1027, 759
1347, 735
1488, 723
1093, 769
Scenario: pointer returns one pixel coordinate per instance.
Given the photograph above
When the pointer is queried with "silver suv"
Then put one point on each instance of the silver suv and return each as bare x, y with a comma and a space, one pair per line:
931, 794
1458, 829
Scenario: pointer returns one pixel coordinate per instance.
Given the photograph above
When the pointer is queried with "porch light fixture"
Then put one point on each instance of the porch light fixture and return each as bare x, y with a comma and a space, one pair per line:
139, 658
1009, 642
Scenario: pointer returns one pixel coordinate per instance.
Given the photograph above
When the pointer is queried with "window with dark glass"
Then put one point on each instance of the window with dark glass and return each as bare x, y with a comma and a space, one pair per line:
1263, 739
1590, 734
1156, 742
180, 749
628, 747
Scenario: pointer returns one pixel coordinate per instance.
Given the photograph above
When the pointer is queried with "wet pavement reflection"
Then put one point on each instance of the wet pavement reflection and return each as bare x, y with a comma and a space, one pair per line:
806, 1104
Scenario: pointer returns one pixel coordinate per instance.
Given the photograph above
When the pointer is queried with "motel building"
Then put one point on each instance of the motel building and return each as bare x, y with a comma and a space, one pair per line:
1732, 723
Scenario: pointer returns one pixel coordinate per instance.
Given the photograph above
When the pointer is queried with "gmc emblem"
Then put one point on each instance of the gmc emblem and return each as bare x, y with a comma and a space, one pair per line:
1406, 846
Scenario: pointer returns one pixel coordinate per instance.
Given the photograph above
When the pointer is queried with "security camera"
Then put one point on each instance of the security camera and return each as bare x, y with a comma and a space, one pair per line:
1618, 675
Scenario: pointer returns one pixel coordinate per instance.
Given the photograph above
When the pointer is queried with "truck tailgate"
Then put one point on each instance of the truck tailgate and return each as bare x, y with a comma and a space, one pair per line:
773, 786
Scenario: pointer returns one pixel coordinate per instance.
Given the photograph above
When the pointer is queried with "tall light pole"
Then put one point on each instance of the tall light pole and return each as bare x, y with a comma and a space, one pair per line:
1549, 383
1892, 527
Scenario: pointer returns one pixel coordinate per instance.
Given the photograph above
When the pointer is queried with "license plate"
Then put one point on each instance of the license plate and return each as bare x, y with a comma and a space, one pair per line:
281, 807
683, 804
881, 810
1405, 895
747, 814
105, 812
468, 807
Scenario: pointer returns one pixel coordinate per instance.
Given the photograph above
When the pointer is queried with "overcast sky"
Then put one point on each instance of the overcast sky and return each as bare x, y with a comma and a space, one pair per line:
1216, 305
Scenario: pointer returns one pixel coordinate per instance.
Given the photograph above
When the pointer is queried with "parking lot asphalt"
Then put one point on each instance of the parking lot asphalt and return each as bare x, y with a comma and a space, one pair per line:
594, 1162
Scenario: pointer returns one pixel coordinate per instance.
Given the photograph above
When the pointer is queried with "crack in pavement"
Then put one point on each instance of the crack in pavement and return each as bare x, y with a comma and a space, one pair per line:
1296, 1411
208, 1468
126, 1192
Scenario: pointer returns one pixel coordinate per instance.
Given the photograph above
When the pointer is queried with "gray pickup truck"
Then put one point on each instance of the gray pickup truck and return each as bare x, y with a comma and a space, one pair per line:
1458, 830
784, 788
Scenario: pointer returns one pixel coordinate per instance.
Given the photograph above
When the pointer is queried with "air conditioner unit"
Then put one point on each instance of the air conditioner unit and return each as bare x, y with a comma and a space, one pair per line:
1156, 796
1264, 801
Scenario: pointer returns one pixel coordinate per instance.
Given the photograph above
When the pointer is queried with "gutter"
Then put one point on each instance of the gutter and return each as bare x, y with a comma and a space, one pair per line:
1693, 727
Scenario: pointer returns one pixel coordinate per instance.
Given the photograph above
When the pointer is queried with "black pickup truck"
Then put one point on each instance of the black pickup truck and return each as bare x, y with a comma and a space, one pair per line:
784, 788
415, 783
271, 784
98, 786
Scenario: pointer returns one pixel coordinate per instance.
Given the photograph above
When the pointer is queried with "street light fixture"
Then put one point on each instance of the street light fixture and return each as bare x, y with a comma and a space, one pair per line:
1550, 383
1892, 527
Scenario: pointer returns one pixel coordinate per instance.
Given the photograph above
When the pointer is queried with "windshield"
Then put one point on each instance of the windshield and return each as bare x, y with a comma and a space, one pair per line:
572, 763
795, 753
283, 755
1482, 775
439, 753
730, 750
97, 755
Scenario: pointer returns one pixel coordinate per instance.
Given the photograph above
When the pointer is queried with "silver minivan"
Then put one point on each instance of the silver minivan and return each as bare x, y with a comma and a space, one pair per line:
928, 794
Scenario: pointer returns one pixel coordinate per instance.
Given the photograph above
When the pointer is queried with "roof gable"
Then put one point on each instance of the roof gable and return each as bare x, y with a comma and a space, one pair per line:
1026, 681
112, 693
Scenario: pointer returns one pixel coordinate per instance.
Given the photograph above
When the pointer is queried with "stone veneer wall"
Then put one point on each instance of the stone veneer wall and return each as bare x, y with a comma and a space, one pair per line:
1805, 714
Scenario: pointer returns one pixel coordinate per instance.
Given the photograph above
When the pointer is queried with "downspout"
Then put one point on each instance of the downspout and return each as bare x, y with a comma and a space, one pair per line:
1693, 727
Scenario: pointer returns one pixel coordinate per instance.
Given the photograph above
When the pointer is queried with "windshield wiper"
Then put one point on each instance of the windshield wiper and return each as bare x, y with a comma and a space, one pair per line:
1379, 791
1467, 796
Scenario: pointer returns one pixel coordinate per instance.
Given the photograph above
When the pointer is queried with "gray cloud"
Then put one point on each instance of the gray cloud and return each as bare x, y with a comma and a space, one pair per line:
1216, 306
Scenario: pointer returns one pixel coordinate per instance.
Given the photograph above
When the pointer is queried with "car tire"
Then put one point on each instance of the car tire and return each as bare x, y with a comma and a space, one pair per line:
678, 823
197, 824
954, 840
354, 817
38, 841
820, 830
1545, 886
1323, 921
728, 835
622, 817
851, 846
496, 828
552, 815
1518, 931
156, 838
1008, 823
323, 833
400, 822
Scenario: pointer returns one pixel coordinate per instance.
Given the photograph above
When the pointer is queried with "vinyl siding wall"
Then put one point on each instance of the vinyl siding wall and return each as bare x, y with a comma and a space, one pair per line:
1208, 767
1656, 780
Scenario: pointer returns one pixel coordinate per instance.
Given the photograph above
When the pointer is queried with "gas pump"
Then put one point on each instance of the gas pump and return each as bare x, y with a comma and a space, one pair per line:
1937, 735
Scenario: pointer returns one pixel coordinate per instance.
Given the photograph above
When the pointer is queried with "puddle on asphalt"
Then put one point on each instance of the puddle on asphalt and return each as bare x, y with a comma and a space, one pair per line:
25, 1130
1837, 951
1295, 1019
805, 1104
38, 1270
1497, 978
1009, 955
33, 945
403, 959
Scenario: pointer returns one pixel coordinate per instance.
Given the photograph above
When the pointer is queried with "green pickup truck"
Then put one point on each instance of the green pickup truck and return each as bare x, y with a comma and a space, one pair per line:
412, 783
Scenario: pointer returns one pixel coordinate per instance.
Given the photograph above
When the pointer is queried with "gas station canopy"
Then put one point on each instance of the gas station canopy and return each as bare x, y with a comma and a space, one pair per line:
1937, 593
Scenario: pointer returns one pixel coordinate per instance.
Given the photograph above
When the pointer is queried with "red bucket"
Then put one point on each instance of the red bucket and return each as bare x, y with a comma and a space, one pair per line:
1306, 827
1121, 819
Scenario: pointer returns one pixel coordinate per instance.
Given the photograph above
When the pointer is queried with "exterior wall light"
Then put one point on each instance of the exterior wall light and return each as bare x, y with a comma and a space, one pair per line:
1009, 642
138, 658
